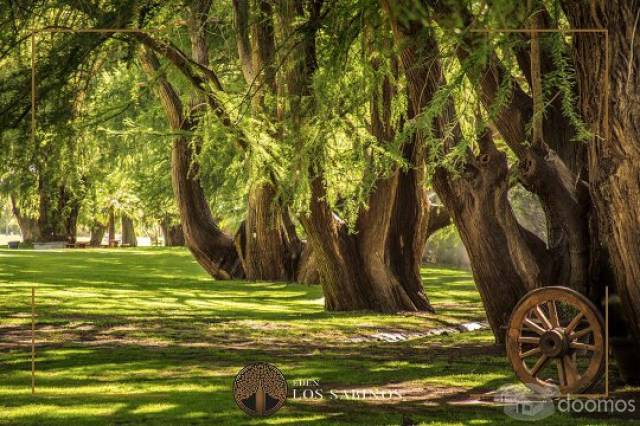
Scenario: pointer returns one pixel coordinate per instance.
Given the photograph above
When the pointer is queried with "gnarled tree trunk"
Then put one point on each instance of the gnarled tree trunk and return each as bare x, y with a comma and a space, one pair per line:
479, 206
206, 85
408, 225
614, 153
352, 267
210, 246
503, 255
355, 269
269, 250
556, 177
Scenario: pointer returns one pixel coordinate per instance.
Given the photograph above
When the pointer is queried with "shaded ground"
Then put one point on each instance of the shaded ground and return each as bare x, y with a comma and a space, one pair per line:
144, 336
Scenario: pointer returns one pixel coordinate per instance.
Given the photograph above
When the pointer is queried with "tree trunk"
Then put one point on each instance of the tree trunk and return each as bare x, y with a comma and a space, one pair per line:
352, 267
128, 231
557, 181
614, 154
269, 251
69, 208
58, 212
172, 233
338, 264
503, 254
210, 246
206, 86
97, 233
28, 229
355, 269
266, 251
28, 226
410, 221
112, 225
479, 206
307, 272
49, 221
408, 225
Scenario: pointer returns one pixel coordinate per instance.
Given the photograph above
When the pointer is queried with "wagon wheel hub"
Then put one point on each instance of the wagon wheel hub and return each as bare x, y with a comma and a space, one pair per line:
554, 343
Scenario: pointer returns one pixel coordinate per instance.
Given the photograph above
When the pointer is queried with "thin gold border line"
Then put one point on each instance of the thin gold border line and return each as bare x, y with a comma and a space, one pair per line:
604, 31
606, 136
33, 140
33, 87
94, 30
537, 30
606, 341
33, 340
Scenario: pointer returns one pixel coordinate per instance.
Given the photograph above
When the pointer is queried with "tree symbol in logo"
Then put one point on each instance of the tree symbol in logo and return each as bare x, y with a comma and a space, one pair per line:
260, 389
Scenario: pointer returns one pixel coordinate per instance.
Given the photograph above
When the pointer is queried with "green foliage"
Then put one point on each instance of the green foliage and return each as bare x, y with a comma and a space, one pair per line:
338, 140
132, 148
103, 136
224, 172
563, 80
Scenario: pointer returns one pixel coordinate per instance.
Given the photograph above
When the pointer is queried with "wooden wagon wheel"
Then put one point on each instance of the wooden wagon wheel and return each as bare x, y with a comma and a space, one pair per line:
556, 338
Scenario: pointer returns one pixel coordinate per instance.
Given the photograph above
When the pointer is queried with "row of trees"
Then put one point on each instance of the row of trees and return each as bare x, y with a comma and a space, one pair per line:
90, 163
306, 136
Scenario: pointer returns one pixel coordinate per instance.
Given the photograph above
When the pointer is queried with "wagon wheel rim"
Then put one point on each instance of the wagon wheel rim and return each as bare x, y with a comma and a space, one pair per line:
539, 341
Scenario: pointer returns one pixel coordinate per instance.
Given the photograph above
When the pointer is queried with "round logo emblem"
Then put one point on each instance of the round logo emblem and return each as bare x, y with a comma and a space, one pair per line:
260, 389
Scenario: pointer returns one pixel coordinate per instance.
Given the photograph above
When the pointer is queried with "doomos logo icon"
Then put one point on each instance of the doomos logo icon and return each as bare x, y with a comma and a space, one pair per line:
260, 389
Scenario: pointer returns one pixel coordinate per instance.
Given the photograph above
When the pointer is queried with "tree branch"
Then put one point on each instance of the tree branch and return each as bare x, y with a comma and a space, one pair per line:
199, 76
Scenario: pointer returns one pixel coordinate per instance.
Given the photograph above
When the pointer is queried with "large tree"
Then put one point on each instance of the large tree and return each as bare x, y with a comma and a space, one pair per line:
540, 129
375, 266
608, 70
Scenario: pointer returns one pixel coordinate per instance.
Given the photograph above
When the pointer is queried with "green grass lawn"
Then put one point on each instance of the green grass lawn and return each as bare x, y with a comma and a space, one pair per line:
144, 336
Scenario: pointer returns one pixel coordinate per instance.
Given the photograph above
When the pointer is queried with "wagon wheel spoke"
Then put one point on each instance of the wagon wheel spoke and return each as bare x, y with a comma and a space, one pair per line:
570, 370
553, 313
528, 339
543, 318
578, 334
542, 361
533, 326
530, 352
584, 346
561, 373
574, 322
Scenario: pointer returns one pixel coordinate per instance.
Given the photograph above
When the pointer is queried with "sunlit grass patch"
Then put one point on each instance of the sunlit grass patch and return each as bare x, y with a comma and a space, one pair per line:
144, 336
